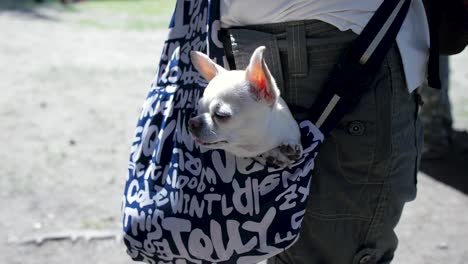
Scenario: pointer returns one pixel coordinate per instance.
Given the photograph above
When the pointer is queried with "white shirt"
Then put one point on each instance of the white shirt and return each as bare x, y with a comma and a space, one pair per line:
412, 40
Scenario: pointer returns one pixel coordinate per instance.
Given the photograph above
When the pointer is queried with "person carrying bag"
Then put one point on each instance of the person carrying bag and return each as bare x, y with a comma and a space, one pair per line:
183, 204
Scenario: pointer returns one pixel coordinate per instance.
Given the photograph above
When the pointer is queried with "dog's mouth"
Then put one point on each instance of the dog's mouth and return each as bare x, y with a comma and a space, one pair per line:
201, 142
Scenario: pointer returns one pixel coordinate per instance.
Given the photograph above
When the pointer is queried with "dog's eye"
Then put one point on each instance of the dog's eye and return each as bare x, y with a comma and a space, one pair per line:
222, 116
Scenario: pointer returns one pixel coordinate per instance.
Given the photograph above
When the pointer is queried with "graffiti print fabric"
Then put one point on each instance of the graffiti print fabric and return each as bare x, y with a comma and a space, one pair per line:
186, 204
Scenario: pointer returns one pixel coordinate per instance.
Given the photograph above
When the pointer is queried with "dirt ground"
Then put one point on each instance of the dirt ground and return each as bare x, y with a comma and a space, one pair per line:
70, 97
69, 100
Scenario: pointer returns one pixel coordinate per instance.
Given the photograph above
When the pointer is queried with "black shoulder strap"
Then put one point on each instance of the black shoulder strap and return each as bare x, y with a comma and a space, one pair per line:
356, 67
433, 75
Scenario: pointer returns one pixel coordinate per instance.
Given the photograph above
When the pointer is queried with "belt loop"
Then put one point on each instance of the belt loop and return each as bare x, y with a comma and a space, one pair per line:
297, 50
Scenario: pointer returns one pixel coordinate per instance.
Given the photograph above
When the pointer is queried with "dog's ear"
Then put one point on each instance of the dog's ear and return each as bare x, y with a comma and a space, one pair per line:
205, 66
262, 83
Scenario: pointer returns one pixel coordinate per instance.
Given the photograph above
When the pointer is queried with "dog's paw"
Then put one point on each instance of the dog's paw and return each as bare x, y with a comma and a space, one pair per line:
282, 156
292, 151
276, 159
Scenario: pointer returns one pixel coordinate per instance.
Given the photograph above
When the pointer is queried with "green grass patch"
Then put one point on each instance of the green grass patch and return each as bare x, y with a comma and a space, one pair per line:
135, 15
131, 7
126, 24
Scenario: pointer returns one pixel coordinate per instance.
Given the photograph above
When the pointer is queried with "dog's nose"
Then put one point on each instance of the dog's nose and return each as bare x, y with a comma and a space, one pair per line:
194, 124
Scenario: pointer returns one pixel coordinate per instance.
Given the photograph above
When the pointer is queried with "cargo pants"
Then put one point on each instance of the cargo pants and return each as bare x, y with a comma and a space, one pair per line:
366, 169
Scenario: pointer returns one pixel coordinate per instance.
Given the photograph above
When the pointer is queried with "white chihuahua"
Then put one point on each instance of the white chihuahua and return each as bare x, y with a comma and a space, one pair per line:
242, 112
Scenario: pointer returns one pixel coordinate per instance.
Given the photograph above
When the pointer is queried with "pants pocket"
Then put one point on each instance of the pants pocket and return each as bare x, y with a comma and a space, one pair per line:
362, 140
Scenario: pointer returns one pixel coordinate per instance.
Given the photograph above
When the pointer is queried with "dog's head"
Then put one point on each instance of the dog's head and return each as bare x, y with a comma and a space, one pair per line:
235, 111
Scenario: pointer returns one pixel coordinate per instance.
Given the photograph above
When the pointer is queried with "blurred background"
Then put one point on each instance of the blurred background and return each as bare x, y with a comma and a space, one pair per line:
73, 75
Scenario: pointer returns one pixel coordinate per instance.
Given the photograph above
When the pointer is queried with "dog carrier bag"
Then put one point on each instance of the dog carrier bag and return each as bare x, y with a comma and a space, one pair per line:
184, 204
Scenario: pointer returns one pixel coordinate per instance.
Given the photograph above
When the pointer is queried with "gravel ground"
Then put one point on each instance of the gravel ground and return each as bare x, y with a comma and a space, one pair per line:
69, 99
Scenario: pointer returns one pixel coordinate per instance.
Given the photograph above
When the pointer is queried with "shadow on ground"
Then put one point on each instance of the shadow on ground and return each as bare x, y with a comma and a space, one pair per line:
452, 168
24, 7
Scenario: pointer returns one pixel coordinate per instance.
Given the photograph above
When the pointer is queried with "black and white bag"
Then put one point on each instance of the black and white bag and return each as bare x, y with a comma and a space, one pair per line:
183, 204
